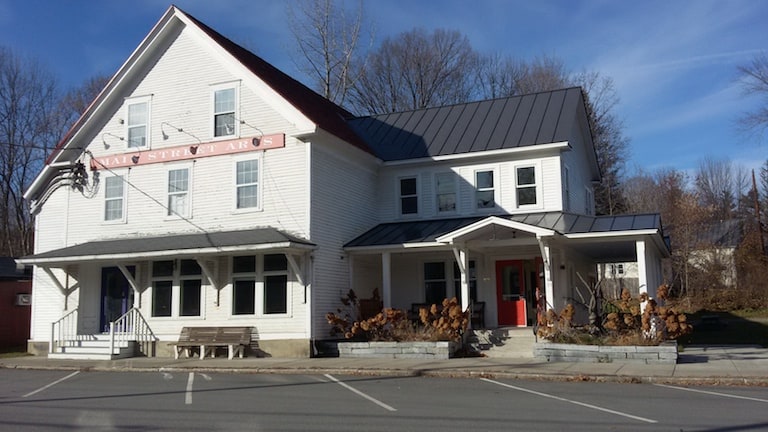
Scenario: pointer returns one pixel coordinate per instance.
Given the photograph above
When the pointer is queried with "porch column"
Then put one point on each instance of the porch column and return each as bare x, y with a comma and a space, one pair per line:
462, 259
642, 266
386, 279
549, 290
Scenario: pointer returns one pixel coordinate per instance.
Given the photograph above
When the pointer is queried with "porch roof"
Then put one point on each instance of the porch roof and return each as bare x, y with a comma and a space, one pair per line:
567, 224
189, 244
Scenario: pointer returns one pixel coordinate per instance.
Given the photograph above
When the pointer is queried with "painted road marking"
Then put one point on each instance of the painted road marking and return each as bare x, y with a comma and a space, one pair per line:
586, 405
188, 396
51, 384
713, 393
359, 393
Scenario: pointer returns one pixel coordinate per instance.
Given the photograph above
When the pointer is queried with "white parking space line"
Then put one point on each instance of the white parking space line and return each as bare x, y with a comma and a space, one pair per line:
586, 405
188, 395
51, 384
713, 393
359, 393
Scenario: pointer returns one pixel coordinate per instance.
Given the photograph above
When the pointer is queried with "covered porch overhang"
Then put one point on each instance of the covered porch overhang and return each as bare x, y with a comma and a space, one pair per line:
597, 239
200, 247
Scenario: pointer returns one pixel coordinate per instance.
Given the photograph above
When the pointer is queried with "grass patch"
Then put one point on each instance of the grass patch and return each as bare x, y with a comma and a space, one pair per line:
727, 328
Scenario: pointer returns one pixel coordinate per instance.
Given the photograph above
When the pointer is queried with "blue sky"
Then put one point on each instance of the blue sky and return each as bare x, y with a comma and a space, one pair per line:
674, 63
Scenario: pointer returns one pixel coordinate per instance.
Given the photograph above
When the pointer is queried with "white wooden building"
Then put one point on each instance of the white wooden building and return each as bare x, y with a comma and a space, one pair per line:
205, 187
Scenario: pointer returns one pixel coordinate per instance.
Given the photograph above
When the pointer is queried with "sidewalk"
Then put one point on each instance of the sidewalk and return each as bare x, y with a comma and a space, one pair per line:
726, 365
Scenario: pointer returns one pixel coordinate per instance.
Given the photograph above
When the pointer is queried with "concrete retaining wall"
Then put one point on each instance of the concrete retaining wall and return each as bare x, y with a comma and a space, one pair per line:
664, 353
419, 350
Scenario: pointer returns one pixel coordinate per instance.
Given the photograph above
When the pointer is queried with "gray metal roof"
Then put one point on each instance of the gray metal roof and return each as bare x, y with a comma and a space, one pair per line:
511, 122
564, 223
172, 242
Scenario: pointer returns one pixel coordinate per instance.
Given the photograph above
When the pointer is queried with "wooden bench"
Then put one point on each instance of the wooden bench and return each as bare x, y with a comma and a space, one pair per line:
207, 339
477, 316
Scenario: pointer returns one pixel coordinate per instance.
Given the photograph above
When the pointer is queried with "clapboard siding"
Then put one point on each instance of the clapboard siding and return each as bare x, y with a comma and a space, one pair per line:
342, 207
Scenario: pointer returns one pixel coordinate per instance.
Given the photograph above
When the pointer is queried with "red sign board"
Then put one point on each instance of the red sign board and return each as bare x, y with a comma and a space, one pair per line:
192, 151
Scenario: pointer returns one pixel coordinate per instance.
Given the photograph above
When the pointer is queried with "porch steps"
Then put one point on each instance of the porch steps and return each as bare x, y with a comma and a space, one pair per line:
503, 342
93, 347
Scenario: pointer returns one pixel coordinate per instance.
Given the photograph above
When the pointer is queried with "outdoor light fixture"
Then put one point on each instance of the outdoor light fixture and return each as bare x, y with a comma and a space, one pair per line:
135, 159
193, 149
256, 141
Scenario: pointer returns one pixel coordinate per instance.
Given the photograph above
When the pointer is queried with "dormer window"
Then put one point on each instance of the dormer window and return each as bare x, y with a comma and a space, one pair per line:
224, 111
137, 123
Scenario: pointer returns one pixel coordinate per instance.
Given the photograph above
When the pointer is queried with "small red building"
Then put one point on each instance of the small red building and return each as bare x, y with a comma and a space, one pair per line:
15, 302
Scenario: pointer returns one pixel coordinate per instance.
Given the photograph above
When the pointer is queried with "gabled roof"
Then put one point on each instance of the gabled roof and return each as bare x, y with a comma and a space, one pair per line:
512, 122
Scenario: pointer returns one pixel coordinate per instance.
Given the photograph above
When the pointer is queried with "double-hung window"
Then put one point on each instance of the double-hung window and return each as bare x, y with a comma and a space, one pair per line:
260, 285
445, 185
525, 184
224, 111
435, 282
114, 198
485, 194
137, 123
409, 197
176, 279
247, 184
178, 192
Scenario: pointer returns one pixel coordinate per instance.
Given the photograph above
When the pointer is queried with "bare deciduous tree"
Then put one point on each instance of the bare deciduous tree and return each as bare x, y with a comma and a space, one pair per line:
416, 70
755, 81
28, 129
328, 43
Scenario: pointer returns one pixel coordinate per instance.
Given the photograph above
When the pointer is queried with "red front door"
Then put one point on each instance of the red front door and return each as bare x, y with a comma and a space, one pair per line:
510, 293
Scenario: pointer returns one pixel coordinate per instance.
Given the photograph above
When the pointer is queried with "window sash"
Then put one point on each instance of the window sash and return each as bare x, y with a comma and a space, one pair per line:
435, 283
247, 183
244, 296
113, 198
162, 303
446, 192
178, 192
137, 124
275, 294
526, 186
224, 112
189, 297
409, 199
485, 194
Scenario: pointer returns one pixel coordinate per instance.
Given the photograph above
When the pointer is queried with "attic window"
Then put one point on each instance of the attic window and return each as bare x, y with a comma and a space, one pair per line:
137, 121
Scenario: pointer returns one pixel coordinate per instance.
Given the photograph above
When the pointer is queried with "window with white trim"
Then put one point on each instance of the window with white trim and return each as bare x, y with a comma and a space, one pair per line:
247, 184
525, 185
485, 194
114, 198
409, 197
224, 111
137, 123
176, 279
445, 186
178, 192
260, 283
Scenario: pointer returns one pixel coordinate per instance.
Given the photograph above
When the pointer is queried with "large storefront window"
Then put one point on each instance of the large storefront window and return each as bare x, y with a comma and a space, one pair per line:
261, 288
180, 280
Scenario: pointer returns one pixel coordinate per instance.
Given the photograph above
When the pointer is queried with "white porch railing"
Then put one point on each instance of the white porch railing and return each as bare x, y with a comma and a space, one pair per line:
132, 327
63, 330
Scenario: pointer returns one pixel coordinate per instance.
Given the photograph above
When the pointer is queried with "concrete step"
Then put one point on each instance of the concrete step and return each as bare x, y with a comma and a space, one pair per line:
505, 342
91, 349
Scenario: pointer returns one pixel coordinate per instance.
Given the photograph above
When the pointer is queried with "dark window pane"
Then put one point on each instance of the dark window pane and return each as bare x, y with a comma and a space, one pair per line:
408, 186
485, 199
190, 298
484, 179
244, 264
162, 268
526, 195
161, 298
276, 294
244, 297
526, 176
275, 262
190, 267
434, 292
409, 205
434, 270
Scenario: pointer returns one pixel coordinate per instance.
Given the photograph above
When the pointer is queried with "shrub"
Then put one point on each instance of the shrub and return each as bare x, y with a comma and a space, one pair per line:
437, 323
